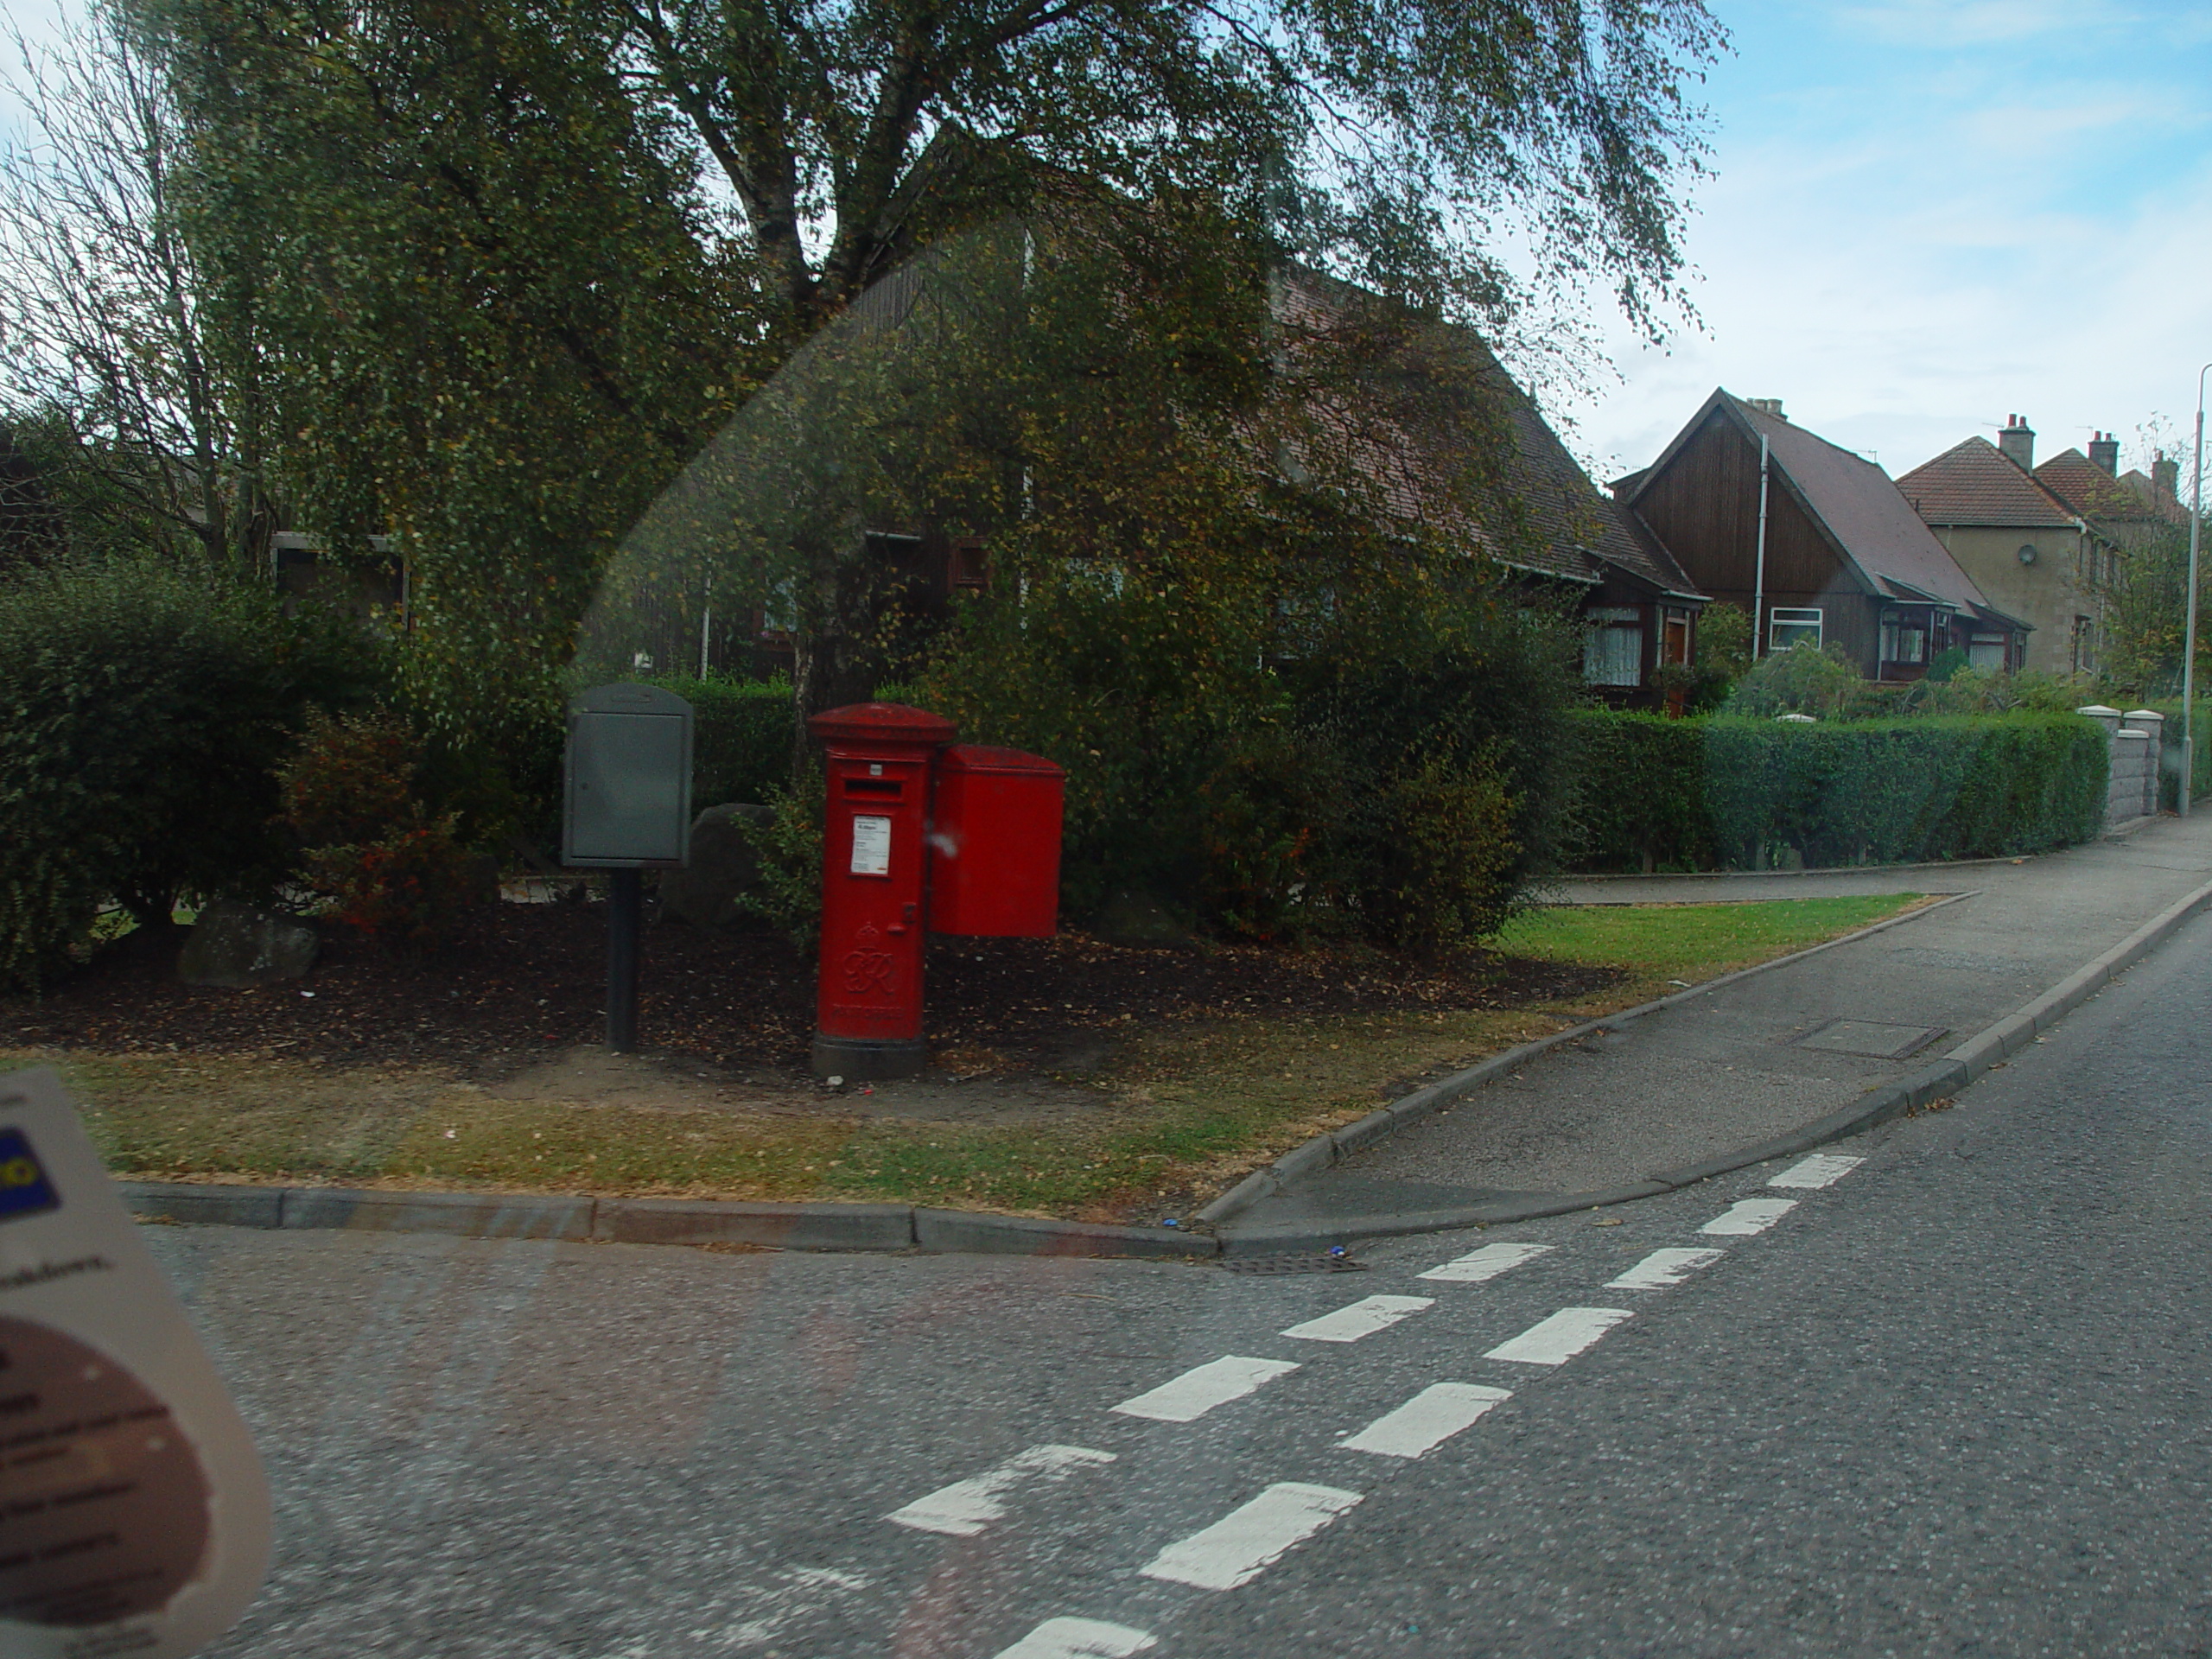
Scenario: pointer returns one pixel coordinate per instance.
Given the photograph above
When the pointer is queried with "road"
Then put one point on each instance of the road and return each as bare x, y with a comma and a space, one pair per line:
1950, 1398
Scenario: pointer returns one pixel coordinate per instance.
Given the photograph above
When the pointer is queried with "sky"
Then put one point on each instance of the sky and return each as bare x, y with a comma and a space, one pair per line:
1922, 218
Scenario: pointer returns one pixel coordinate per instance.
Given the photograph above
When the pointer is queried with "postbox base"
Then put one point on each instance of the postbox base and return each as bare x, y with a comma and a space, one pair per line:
856, 1059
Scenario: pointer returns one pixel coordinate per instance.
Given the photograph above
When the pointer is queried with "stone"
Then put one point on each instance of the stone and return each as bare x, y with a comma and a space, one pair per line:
234, 944
1132, 916
723, 867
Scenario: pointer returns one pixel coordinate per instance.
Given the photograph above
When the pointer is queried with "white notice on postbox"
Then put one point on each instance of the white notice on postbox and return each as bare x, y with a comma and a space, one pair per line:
871, 846
134, 1519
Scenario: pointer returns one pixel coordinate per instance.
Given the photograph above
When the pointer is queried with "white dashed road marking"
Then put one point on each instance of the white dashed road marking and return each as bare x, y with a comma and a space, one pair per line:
1822, 1169
1560, 1338
966, 1507
1239, 1547
1080, 1638
1426, 1421
1198, 1390
1361, 1318
1663, 1268
1749, 1216
1486, 1263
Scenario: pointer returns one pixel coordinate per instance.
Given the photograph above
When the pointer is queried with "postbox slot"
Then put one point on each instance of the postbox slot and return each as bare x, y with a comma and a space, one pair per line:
890, 787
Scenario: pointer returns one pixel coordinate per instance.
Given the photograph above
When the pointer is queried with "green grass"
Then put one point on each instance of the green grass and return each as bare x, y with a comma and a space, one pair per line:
1690, 942
1184, 1110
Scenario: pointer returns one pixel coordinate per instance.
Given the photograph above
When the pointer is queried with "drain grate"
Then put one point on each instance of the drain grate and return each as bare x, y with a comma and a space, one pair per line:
1869, 1038
1293, 1264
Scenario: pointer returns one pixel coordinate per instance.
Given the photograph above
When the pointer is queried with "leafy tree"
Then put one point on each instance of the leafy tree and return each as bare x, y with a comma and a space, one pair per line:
2145, 615
139, 428
514, 262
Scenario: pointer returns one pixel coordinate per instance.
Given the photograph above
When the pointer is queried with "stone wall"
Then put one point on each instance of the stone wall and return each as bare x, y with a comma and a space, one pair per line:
2137, 747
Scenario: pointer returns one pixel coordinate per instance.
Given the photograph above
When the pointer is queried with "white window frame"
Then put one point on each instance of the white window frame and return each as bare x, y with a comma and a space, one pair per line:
1798, 620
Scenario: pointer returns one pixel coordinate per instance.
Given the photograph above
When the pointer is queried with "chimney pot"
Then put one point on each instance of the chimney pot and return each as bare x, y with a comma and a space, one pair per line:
2018, 441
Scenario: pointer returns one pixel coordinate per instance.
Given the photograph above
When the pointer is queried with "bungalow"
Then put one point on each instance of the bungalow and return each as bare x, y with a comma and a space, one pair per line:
1815, 542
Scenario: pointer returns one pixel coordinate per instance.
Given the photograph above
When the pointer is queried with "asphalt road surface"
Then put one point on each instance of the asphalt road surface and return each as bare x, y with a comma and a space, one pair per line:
1950, 1397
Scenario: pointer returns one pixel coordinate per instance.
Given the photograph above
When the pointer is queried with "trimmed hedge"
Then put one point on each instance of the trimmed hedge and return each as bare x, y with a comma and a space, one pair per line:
740, 737
1731, 791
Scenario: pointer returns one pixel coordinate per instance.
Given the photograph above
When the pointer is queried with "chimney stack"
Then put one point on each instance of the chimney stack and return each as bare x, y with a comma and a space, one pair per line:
2018, 441
2165, 477
2104, 453
1768, 406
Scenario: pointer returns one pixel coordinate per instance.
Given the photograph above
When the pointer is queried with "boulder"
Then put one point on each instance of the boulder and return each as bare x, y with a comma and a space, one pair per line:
706, 891
234, 944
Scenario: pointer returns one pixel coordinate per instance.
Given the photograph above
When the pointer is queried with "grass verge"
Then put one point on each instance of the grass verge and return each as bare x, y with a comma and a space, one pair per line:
1181, 1111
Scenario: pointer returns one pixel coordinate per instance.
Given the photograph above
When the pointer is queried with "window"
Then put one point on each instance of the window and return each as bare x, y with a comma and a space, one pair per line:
1613, 646
966, 568
1987, 650
1903, 640
2085, 643
1786, 627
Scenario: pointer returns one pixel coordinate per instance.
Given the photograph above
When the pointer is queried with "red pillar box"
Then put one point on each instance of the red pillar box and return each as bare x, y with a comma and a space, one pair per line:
995, 843
869, 1013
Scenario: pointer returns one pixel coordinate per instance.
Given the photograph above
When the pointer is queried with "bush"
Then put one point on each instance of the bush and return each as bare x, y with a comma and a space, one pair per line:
2170, 759
1730, 791
741, 737
1803, 680
387, 864
143, 708
789, 847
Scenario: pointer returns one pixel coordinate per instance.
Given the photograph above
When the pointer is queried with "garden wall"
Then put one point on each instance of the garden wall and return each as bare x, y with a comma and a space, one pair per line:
1728, 791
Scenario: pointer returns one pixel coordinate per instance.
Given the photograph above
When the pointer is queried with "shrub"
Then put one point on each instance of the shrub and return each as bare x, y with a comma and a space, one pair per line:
385, 863
1435, 867
1731, 791
143, 708
742, 736
1803, 680
789, 847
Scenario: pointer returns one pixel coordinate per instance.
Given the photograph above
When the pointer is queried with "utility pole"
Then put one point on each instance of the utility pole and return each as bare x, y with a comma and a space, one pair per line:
1759, 577
2189, 631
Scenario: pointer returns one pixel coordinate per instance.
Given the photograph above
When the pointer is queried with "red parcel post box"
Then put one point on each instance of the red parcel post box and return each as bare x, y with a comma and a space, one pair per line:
869, 1011
919, 837
995, 843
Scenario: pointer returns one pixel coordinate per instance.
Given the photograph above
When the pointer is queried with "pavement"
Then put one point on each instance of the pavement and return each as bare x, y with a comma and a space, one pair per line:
1938, 1389
1759, 1056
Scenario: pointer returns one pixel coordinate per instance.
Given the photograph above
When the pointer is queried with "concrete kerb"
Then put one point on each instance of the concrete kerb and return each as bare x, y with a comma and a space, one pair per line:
1944, 1078
649, 1221
1326, 1149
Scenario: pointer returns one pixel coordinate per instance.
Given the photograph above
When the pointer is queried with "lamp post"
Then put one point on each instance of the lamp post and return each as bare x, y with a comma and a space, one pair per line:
2188, 631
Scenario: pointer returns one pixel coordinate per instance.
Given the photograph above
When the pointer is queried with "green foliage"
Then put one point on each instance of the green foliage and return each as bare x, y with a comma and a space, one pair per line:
1730, 791
1724, 639
2146, 605
143, 708
1803, 680
2201, 766
1639, 797
385, 864
1947, 663
789, 847
740, 736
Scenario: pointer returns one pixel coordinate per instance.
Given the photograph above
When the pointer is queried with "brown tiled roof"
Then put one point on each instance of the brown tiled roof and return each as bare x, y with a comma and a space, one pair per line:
1861, 507
2095, 493
1564, 525
1976, 483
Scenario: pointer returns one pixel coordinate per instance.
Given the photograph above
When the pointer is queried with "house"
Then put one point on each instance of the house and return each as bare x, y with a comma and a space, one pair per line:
1547, 527
1816, 540
2126, 509
2029, 550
